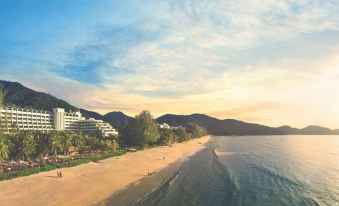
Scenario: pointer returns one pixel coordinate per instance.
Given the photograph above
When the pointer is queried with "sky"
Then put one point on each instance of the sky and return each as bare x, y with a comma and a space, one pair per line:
264, 61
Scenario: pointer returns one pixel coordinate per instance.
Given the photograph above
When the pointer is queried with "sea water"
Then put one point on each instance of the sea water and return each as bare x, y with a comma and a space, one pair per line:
256, 170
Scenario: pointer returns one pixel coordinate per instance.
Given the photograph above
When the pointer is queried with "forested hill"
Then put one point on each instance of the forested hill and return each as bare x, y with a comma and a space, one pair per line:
219, 127
235, 127
14, 93
116, 119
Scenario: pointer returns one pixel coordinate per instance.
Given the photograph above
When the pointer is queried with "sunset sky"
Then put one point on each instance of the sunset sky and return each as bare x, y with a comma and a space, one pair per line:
264, 61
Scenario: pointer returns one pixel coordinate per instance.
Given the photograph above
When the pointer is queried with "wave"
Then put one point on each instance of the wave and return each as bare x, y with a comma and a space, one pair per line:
228, 179
157, 191
218, 153
187, 156
281, 180
246, 175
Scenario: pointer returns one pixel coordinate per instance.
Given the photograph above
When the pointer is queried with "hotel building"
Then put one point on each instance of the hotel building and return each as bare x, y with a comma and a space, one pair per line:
167, 126
58, 119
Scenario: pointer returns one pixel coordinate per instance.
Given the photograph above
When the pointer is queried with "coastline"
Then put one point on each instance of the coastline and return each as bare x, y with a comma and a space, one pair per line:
138, 191
96, 183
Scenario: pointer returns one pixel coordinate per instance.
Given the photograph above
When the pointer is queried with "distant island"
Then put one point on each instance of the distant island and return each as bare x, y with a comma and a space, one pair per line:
14, 93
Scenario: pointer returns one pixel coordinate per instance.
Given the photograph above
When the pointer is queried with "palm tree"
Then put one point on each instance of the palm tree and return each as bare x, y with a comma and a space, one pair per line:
92, 142
42, 143
77, 140
56, 144
4, 149
66, 142
28, 145
114, 145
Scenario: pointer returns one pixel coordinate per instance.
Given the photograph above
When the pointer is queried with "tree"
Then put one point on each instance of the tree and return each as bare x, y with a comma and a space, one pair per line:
4, 149
28, 144
182, 134
141, 131
196, 130
43, 143
15, 145
166, 136
92, 142
66, 142
114, 145
56, 144
78, 140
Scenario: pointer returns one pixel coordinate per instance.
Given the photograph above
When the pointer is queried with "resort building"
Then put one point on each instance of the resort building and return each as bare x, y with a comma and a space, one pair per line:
58, 119
164, 126
167, 126
96, 126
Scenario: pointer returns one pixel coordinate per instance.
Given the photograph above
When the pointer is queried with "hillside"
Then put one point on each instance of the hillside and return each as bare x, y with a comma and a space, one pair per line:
235, 127
90, 114
219, 127
289, 130
118, 119
313, 129
13, 93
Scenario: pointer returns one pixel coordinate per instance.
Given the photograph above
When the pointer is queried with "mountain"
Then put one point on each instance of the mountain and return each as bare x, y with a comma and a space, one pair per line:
235, 127
90, 114
335, 132
310, 130
289, 130
316, 130
219, 127
118, 119
13, 93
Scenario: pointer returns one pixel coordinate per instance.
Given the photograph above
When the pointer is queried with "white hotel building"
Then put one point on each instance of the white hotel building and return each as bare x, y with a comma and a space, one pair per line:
58, 119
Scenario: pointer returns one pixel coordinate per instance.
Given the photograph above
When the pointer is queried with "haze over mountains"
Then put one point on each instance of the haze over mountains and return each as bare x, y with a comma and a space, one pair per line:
13, 93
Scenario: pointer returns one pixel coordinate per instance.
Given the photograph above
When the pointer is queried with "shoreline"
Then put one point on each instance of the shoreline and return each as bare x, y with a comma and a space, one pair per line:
138, 191
95, 183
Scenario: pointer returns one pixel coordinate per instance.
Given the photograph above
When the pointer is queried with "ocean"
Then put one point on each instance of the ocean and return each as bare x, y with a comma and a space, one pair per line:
255, 170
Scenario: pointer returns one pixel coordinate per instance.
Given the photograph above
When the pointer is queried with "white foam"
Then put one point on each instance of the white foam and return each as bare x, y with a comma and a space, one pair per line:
191, 154
218, 153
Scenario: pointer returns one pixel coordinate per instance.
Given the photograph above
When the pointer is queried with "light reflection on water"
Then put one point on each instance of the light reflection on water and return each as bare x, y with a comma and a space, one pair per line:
257, 170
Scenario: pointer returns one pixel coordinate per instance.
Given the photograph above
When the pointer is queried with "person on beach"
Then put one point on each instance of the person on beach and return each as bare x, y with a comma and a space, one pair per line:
60, 174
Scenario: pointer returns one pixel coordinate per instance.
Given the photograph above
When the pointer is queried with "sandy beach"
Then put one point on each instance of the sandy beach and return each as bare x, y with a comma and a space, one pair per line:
93, 183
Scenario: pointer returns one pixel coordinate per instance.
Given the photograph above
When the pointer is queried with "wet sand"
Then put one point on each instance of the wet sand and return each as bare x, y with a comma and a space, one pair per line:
95, 183
139, 190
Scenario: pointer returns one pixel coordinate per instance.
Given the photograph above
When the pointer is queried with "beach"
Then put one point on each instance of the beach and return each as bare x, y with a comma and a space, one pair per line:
94, 183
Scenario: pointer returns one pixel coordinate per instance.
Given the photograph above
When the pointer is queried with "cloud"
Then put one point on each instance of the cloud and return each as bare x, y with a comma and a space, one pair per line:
187, 56
245, 110
184, 43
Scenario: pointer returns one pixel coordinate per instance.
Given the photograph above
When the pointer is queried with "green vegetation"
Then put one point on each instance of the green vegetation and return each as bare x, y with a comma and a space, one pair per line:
142, 131
34, 146
67, 163
29, 145
13, 93
44, 151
